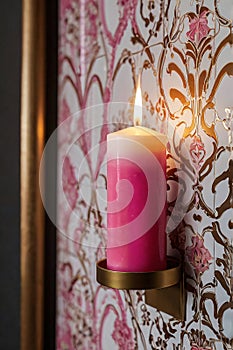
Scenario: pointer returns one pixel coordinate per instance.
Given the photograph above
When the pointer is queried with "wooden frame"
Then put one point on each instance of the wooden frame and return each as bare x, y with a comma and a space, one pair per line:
38, 119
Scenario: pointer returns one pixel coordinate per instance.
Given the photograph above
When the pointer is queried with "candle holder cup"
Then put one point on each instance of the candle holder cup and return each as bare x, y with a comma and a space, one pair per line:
164, 289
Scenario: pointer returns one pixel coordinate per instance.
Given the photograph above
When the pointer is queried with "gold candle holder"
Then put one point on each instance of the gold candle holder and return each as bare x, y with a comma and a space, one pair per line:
164, 289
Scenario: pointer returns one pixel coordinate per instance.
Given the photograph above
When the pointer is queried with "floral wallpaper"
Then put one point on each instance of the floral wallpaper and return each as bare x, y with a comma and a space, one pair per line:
183, 50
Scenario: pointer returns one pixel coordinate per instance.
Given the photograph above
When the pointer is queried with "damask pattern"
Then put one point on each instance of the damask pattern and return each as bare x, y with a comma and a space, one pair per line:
184, 51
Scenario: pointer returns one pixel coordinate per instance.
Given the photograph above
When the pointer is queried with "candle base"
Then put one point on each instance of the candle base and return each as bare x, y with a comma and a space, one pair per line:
164, 289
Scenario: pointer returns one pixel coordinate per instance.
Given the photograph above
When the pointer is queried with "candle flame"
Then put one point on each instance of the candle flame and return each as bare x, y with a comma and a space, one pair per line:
138, 103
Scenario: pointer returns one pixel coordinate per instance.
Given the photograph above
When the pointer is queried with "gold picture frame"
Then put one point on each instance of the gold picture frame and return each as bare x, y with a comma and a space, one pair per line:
38, 29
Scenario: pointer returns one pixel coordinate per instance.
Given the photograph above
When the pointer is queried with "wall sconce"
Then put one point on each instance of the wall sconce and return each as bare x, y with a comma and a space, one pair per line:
164, 289
136, 250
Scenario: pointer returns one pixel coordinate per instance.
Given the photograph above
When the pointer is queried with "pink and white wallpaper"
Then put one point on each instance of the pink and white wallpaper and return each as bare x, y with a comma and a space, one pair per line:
185, 51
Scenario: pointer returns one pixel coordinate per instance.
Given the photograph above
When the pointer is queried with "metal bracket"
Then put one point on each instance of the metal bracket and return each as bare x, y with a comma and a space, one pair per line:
164, 289
171, 300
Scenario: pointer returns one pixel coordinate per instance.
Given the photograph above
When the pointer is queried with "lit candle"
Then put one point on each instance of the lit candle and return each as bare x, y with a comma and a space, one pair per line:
136, 194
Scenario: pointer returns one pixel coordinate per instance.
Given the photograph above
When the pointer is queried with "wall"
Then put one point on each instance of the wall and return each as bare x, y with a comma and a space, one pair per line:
185, 49
10, 32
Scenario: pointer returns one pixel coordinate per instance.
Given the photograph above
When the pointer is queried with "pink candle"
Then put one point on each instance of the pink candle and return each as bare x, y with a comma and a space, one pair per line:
136, 191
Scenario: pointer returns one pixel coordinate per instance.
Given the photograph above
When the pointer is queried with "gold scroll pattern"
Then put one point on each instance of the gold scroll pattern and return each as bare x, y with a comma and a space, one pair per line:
184, 51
